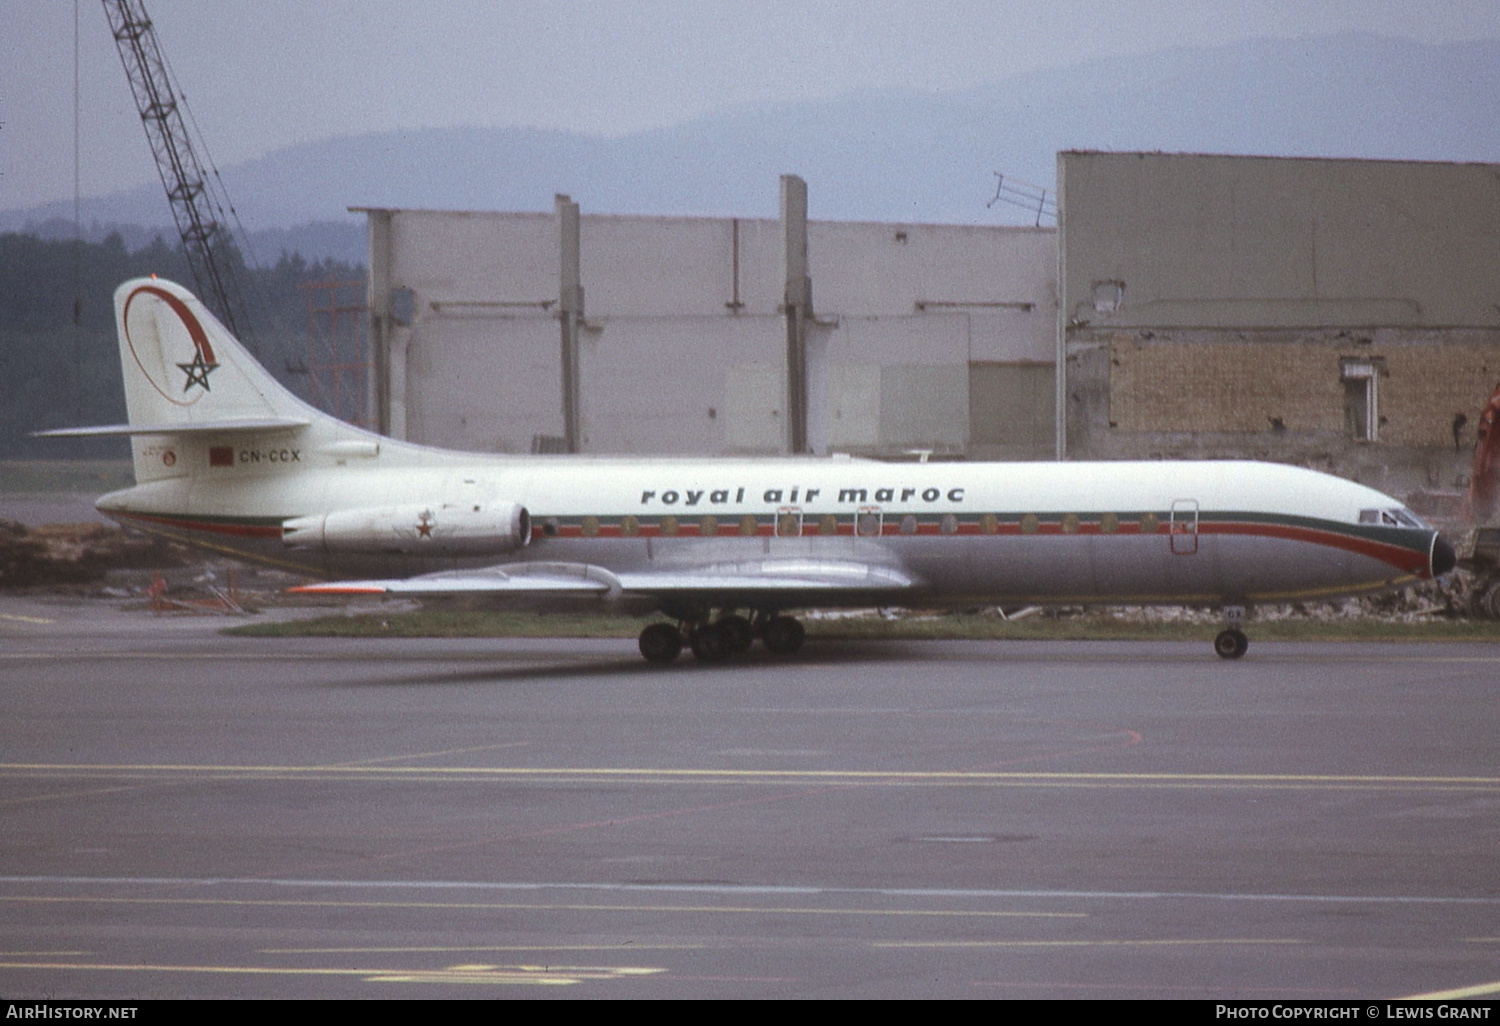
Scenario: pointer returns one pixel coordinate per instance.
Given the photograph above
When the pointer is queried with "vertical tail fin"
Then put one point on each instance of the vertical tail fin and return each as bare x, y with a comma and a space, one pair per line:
182, 367
198, 401
186, 374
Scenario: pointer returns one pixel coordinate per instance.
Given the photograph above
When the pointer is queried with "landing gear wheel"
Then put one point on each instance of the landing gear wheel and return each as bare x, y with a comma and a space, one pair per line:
661, 643
783, 635
710, 642
739, 632
1485, 604
1231, 643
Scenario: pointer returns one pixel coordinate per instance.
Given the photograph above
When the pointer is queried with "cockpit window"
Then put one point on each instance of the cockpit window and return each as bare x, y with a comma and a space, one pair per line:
1397, 517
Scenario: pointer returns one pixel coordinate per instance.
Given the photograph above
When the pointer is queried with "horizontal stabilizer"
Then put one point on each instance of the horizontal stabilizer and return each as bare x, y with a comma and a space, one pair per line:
243, 426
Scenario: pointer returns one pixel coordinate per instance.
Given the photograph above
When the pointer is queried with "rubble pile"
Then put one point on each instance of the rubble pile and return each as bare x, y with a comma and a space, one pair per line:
61, 554
1448, 598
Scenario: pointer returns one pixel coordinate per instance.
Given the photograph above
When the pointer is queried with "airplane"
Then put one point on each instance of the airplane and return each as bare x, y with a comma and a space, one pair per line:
727, 549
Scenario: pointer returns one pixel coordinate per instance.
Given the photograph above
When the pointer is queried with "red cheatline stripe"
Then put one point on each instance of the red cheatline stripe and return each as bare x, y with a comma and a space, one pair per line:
243, 530
195, 330
1410, 560
1406, 559
1403, 558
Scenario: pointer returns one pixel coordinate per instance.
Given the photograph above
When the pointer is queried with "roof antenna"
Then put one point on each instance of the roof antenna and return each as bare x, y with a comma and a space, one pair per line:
1024, 194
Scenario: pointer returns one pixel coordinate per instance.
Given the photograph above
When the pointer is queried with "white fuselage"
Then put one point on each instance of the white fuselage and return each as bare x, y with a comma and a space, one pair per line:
227, 459
1021, 532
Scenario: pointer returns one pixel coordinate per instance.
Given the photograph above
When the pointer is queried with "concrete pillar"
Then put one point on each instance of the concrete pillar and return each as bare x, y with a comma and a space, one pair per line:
569, 313
378, 299
797, 304
1060, 378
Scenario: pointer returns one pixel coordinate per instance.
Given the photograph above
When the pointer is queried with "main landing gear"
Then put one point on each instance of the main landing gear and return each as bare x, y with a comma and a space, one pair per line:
714, 641
1231, 642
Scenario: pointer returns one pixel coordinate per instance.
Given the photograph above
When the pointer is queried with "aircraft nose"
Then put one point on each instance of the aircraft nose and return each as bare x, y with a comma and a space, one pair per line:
1443, 557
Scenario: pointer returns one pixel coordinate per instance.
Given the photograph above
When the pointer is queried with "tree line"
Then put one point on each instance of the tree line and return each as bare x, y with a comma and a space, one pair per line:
59, 362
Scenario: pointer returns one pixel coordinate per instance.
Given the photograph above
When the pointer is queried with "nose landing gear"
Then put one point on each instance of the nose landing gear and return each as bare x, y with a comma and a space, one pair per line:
1231, 642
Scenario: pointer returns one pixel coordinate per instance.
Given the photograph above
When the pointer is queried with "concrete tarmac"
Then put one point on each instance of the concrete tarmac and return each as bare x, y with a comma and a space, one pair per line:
184, 814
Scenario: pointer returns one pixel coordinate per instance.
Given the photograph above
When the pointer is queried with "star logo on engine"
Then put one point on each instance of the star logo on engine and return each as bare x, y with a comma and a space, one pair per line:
424, 524
198, 371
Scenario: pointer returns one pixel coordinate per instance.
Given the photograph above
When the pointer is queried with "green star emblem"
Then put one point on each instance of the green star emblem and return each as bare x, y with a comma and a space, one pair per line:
197, 372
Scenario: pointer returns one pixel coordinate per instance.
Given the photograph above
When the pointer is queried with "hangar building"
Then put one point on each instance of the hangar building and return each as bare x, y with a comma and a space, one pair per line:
1339, 314
516, 332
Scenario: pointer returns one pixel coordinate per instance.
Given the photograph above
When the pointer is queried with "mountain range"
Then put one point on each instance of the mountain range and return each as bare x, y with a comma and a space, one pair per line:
893, 155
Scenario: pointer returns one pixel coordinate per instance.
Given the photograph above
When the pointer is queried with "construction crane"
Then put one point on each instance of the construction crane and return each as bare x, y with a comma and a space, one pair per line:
204, 236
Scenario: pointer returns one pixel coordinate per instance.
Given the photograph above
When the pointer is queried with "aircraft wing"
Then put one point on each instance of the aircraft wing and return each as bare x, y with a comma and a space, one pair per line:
783, 577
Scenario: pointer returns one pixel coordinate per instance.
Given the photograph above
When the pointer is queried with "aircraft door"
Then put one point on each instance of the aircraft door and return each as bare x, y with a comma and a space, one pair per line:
1183, 529
868, 522
789, 522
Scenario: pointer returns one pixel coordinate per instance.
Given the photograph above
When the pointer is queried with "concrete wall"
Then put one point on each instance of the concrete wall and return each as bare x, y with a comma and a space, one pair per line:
1260, 242
683, 340
1212, 303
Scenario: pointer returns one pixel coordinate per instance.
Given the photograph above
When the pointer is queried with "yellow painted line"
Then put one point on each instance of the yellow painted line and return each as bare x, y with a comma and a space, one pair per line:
525, 974
70, 795
515, 657
42, 954
535, 975
1184, 942
219, 657
510, 657
1458, 994
959, 777
536, 907
433, 755
630, 946
25, 619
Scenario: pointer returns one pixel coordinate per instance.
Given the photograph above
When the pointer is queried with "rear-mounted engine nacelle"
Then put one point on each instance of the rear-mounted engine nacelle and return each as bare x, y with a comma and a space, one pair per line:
436, 528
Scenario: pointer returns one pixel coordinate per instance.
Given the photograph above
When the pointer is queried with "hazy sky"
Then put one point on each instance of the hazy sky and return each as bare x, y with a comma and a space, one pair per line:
261, 74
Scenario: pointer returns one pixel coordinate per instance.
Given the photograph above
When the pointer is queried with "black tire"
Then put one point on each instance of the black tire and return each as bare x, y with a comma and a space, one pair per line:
711, 643
1231, 644
783, 635
661, 643
739, 631
1485, 604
